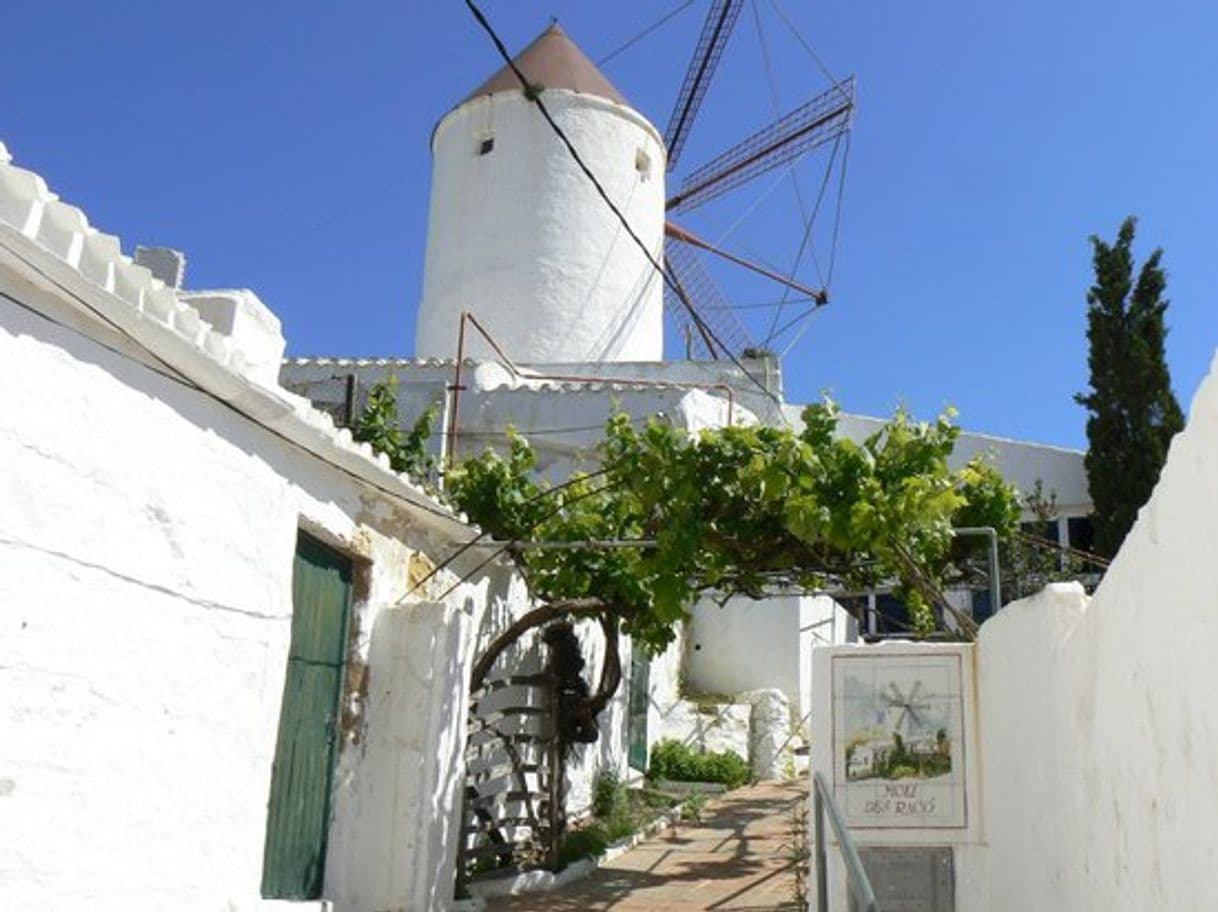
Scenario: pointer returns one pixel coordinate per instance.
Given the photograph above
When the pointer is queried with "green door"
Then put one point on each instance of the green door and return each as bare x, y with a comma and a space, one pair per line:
299, 809
640, 699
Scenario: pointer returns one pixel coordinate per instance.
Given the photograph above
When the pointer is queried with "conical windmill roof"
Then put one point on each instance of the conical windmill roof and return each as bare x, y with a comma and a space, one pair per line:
552, 61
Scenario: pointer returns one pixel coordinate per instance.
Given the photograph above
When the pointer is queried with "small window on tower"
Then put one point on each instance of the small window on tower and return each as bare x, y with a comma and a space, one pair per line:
486, 145
642, 164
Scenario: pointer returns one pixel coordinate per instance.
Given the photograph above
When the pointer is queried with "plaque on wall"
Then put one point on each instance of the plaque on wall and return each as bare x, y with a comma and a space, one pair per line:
898, 740
911, 879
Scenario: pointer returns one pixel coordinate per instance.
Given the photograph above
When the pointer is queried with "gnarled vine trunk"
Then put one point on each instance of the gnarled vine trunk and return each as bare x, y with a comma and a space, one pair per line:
523, 791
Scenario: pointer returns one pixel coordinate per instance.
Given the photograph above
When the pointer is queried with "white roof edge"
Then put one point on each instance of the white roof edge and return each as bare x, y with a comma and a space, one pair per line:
799, 407
386, 361
52, 244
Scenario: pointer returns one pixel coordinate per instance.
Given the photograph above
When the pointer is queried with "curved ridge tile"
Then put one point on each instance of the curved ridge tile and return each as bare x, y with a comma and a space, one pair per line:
131, 281
160, 304
186, 323
22, 197
61, 230
98, 257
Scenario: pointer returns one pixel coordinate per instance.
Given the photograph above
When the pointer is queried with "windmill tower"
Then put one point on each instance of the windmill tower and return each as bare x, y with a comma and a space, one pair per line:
517, 234
519, 237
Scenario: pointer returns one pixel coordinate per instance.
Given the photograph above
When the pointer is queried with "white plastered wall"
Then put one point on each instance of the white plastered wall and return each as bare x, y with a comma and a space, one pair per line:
1100, 727
520, 238
147, 536
750, 644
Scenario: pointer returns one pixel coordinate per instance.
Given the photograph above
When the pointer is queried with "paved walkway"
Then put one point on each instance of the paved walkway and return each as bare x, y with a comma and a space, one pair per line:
739, 857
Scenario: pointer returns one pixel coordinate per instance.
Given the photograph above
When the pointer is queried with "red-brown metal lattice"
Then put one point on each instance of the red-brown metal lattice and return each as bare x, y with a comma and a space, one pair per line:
817, 121
715, 32
686, 266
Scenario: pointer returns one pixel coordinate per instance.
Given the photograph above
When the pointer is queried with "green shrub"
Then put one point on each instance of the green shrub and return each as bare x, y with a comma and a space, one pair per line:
678, 762
694, 805
588, 842
609, 800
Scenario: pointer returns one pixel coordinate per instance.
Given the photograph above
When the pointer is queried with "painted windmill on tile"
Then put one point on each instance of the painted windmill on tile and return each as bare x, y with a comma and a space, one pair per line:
907, 710
823, 119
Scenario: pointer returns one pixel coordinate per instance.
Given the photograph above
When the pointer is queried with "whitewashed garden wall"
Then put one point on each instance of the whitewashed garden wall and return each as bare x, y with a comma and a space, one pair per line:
1092, 784
1101, 727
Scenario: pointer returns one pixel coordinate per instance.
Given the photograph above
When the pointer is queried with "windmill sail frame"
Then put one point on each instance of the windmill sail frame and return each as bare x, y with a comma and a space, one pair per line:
814, 123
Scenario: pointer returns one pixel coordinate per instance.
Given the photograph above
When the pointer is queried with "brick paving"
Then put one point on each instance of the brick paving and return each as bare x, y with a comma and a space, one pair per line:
738, 858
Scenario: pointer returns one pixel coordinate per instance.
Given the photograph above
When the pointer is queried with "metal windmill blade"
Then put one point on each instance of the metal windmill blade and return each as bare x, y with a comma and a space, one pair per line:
817, 121
715, 31
712, 329
685, 265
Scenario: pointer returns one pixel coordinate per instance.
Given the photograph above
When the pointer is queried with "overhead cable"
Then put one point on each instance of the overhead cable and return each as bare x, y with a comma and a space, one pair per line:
175, 375
804, 42
807, 236
663, 20
533, 93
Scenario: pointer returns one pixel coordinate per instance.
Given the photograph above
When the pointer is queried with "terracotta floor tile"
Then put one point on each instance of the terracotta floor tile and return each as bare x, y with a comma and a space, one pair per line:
737, 859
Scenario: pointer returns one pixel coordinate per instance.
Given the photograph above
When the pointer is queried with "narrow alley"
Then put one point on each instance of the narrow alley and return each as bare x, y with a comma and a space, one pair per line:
741, 856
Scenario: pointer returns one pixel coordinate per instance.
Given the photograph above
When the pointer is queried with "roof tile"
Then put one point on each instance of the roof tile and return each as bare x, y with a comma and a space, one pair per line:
552, 61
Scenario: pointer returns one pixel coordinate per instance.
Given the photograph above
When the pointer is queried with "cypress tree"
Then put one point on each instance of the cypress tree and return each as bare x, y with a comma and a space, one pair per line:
1133, 413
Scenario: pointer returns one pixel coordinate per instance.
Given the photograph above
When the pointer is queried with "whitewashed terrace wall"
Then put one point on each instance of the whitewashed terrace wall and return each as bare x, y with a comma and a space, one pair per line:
493, 401
1100, 727
750, 644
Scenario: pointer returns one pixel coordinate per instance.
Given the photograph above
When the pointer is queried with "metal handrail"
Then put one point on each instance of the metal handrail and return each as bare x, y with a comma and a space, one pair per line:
859, 882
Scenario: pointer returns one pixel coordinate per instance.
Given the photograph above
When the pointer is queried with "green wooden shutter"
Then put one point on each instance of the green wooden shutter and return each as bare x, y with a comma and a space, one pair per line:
299, 809
640, 699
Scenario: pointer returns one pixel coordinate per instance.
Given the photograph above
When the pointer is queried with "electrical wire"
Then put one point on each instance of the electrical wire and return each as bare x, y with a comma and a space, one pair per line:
533, 93
175, 378
777, 106
760, 305
376, 195
804, 42
837, 214
663, 20
535, 432
787, 169
825, 71
505, 548
803, 244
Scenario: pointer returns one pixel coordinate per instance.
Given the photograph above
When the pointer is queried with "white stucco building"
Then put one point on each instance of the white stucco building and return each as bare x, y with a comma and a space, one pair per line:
189, 552
232, 672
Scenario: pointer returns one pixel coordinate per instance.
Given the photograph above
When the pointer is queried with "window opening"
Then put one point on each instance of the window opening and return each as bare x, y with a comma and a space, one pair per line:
642, 164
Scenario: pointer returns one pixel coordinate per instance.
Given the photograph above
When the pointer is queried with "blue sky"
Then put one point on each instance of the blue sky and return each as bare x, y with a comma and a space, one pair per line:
284, 147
